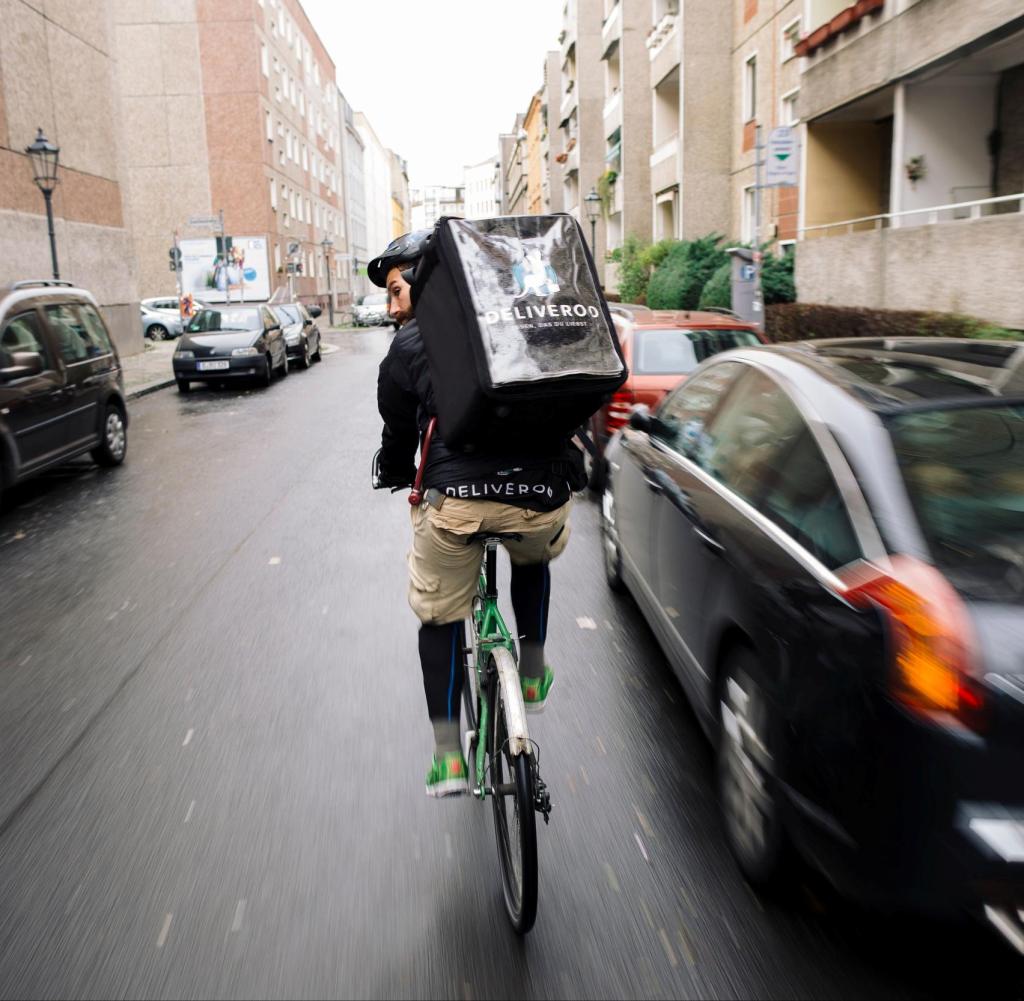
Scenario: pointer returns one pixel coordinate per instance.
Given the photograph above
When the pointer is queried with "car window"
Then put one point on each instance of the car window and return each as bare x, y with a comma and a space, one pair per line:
269, 320
75, 339
685, 412
375, 299
214, 320
964, 472
22, 334
97, 329
676, 351
749, 434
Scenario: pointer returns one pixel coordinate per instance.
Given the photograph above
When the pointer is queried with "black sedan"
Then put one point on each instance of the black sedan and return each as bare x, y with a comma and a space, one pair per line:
828, 541
301, 333
230, 342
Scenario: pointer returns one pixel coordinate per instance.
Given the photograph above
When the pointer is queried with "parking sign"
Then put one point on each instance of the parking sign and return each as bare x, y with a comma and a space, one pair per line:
782, 159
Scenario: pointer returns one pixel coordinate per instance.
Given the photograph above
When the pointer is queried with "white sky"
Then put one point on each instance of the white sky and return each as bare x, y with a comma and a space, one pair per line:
438, 79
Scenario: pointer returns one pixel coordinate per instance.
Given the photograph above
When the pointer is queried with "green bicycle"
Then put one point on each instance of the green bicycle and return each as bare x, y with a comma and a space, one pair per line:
504, 762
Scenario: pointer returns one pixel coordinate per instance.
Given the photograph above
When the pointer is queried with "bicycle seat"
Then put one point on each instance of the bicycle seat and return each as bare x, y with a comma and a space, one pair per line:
497, 536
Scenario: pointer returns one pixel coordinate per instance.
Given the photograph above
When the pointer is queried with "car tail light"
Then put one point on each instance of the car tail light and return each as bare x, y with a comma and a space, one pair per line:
934, 659
619, 408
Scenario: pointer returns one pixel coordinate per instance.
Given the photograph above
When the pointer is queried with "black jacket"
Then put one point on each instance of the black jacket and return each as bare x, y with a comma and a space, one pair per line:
540, 478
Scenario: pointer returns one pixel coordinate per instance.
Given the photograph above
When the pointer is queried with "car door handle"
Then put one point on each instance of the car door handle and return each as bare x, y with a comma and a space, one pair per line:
708, 541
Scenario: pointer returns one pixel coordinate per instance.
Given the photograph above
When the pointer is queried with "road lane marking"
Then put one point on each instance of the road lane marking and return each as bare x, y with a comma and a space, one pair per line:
640, 845
647, 914
236, 925
672, 961
600, 745
643, 822
163, 931
613, 880
586, 623
274, 560
189, 694
191, 807
684, 943
188, 738
586, 778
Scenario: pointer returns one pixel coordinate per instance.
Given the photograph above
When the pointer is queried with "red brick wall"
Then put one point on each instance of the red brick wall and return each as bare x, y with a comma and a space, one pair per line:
749, 10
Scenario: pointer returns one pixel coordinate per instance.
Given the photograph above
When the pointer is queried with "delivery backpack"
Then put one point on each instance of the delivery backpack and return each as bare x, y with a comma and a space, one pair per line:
519, 341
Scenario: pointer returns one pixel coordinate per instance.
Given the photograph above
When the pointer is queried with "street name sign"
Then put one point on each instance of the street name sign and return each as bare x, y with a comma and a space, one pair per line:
782, 158
204, 221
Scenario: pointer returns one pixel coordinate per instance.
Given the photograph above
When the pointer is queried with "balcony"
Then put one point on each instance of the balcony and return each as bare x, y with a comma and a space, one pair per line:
950, 258
567, 37
664, 164
611, 30
572, 159
613, 113
665, 56
570, 101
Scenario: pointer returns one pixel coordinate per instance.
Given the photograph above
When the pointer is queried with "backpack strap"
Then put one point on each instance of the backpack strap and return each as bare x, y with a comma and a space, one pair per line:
582, 435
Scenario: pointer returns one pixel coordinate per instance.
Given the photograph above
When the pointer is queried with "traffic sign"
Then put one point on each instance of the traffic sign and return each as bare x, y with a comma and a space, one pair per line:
293, 248
204, 221
782, 158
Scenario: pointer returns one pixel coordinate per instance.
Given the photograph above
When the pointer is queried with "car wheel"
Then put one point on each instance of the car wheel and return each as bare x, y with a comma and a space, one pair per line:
746, 773
284, 363
184, 386
114, 444
610, 544
305, 360
317, 355
158, 333
268, 375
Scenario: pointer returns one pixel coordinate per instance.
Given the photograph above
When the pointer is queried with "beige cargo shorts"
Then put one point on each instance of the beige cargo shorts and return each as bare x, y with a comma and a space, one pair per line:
443, 570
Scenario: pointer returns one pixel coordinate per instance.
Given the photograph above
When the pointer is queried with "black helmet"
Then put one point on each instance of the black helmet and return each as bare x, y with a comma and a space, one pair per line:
401, 251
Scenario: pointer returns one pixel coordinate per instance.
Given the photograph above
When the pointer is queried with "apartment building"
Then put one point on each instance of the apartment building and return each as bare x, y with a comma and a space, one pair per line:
914, 170
401, 217
765, 86
552, 181
478, 182
625, 182
581, 115
515, 170
353, 156
58, 73
377, 179
430, 203
248, 128
533, 126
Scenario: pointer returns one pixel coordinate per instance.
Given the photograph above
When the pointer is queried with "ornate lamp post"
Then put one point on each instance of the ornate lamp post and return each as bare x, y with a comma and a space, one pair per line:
328, 244
592, 203
44, 156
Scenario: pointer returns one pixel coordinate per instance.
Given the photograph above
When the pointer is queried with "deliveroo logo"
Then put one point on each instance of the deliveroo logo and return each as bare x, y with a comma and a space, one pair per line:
534, 275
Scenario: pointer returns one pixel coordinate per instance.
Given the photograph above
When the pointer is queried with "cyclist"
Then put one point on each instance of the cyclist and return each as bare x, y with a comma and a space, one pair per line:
536, 488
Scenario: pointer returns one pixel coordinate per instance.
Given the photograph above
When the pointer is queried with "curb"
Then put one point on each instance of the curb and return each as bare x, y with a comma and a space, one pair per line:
149, 387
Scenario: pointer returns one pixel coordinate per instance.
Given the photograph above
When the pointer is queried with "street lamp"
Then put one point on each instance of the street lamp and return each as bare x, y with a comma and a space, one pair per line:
592, 203
328, 244
44, 156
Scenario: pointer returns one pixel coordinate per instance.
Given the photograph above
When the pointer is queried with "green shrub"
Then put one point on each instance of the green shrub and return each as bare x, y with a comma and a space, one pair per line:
636, 259
680, 278
798, 321
777, 282
717, 292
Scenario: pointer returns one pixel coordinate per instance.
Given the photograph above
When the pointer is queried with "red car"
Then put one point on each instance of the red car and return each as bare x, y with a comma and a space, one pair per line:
661, 348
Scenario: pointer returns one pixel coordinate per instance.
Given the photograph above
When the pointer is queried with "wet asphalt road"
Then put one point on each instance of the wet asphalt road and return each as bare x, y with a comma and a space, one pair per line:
213, 742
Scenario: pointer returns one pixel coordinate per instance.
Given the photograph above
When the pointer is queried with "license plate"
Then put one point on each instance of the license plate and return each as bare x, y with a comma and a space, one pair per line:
213, 366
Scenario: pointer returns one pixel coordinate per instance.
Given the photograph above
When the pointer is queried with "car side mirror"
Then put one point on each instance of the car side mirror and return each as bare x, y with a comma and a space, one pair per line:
273, 326
23, 364
314, 311
640, 418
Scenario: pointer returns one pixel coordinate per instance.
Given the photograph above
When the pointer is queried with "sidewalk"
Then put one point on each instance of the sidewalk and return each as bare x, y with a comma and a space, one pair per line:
148, 370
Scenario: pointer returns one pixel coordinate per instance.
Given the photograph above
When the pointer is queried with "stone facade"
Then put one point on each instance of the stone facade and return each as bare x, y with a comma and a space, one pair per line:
58, 72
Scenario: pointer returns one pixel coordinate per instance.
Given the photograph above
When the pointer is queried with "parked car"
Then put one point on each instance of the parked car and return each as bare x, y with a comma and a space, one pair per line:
221, 343
828, 541
301, 333
61, 386
372, 310
661, 348
160, 317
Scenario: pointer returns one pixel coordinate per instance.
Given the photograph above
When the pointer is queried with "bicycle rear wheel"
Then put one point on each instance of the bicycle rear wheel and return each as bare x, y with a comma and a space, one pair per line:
512, 778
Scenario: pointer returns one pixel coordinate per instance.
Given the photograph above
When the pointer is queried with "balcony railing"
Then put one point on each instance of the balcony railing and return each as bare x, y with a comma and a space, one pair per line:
977, 209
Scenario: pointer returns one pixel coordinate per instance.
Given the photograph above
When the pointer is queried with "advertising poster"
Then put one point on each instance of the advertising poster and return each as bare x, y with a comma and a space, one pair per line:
238, 274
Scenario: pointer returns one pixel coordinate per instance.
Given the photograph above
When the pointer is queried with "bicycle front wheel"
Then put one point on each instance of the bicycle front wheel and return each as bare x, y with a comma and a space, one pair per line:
512, 778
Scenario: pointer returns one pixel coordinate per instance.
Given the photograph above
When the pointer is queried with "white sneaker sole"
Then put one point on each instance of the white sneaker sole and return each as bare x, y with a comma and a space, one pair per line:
450, 787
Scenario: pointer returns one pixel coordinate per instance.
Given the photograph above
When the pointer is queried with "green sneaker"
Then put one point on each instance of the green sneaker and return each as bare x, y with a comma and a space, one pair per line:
535, 690
449, 776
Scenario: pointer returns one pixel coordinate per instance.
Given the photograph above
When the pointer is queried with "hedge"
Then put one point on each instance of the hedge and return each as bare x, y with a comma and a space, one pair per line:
799, 321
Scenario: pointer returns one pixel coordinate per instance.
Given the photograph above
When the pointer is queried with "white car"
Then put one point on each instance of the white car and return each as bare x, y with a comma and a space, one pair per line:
160, 319
372, 310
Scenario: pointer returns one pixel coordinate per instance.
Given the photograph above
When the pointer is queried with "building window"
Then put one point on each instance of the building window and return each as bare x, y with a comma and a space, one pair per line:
265, 61
750, 88
749, 214
277, 257
790, 36
309, 211
305, 157
277, 93
787, 248
788, 114
270, 127
273, 195
302, 103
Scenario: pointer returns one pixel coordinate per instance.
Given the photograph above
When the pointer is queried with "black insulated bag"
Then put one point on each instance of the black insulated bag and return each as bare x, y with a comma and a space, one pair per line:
519, 341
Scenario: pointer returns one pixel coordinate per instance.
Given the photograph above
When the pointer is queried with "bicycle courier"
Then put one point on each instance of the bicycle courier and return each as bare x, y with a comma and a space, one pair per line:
518, 337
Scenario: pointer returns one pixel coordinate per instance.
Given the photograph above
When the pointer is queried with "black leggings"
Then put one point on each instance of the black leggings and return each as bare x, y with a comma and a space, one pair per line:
441, 646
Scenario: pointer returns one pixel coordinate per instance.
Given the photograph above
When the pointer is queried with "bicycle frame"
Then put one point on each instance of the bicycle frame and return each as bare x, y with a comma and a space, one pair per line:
489, 632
